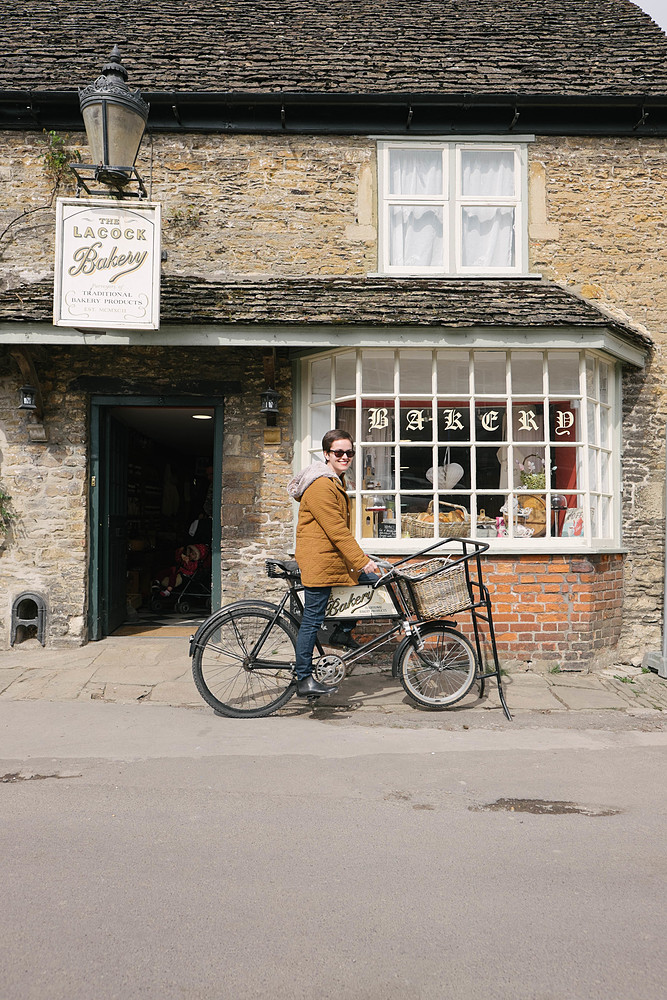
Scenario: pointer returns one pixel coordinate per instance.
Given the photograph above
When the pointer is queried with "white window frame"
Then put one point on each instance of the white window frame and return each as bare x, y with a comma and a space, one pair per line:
452, 203
587, 451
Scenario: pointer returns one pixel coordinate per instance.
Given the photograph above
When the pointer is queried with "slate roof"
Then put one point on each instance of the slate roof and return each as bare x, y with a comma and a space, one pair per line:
343, 301
564, 47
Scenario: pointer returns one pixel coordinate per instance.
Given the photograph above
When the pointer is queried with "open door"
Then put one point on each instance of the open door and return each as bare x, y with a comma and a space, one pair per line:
151, 459
109, 542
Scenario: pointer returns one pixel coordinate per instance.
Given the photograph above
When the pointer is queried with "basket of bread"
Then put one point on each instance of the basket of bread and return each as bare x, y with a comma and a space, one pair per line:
453, 522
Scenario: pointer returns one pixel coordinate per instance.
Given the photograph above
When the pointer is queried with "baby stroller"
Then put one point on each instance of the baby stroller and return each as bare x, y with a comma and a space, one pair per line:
187, 582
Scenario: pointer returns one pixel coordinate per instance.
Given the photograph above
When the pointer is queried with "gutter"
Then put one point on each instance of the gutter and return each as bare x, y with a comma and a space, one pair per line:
354, 114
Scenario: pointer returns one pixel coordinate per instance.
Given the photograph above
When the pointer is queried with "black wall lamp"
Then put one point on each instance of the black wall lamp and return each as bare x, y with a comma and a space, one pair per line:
28, 398
115, 120
269, 400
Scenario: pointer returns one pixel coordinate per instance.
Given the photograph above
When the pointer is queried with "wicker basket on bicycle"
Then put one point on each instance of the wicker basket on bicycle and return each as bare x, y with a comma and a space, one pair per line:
435, 589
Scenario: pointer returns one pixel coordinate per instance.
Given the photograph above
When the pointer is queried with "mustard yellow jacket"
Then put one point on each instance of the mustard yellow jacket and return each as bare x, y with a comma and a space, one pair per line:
326, 550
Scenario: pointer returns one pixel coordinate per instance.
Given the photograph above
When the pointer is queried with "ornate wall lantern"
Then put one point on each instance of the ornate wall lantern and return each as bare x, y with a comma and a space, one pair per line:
115, 121
28, 398
269, 400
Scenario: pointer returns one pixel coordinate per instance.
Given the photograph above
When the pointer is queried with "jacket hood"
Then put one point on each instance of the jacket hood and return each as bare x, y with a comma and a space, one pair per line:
298, 486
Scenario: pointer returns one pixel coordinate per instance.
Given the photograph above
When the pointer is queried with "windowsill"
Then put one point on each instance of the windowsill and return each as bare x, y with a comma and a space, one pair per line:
530, 276
496, 548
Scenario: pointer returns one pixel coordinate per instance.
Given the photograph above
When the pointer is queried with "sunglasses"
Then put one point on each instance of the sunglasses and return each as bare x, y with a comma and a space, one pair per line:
339, 453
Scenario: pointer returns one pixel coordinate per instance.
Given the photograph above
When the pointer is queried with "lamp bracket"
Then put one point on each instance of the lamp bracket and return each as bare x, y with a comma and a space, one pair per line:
87, 174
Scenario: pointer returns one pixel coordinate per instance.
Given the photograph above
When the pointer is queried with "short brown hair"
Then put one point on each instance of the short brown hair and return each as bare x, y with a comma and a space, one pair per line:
335, 435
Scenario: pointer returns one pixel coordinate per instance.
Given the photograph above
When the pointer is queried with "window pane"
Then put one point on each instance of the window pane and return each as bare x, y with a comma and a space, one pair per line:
526, 371
488, 172
487, 468
489, 371
564, 465
527, 422
564, 422
377, 368
346, 419
415, 236
571, 520
452, 371
605, 471
592, 425
491, 422
416, 422
345, 374
377, 420
487, 237
593, 483
454, 423
320, 424
604, 426
415, 371
604, 382
376, 465
604, 518
320, 380
415, 172
564, 373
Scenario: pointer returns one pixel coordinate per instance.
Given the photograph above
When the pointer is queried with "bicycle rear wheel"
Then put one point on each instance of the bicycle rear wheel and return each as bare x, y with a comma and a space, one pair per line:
243, 663
442, 672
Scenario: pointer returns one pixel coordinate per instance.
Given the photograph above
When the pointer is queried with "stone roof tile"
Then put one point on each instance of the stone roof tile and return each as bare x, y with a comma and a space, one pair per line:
564, 47
343, 301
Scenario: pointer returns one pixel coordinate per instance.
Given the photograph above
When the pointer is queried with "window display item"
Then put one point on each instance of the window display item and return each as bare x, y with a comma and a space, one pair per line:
532, 473
448, 476
573, 524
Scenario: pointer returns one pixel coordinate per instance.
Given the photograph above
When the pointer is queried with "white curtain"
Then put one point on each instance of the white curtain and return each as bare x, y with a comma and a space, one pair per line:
487, 231
415, 236
487, 237
415, 232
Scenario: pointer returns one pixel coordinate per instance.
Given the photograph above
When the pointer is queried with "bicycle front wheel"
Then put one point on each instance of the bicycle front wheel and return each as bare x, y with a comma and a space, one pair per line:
244, 661
442, 672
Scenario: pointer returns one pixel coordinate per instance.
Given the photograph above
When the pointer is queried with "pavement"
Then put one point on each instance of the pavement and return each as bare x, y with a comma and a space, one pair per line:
156, 669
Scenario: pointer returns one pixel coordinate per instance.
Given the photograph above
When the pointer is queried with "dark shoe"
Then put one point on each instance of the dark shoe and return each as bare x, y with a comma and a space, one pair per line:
310, 688
342, 639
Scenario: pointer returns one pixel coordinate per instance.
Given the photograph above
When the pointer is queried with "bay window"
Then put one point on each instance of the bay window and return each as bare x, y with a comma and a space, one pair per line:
452, 208
514, 445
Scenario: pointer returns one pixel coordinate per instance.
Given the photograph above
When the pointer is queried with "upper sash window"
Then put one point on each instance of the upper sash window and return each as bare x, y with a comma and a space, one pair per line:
452, 208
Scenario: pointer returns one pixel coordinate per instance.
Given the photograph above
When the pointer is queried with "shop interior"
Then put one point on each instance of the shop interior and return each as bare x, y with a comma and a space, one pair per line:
169, 509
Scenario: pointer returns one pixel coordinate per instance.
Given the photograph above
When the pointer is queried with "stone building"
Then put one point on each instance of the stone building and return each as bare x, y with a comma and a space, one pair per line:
439, 226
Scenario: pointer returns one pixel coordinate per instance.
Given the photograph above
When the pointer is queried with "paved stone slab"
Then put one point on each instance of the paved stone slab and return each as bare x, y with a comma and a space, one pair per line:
578, 699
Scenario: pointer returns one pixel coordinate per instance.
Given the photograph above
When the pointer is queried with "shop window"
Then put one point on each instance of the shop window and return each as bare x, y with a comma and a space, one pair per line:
452, 208
515, 445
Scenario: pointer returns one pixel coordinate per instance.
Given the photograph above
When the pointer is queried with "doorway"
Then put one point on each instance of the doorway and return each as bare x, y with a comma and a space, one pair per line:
155, 504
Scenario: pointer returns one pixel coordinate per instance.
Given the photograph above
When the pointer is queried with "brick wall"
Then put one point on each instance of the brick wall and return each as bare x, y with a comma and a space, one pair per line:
556, 610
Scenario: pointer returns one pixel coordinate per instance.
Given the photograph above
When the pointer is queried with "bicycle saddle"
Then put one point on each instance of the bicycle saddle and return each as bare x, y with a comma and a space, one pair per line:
283, 569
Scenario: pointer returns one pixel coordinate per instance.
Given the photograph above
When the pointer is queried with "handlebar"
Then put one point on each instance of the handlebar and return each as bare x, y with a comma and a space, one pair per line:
478, 547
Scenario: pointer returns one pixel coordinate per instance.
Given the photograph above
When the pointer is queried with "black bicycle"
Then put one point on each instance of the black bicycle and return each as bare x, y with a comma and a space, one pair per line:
244, 654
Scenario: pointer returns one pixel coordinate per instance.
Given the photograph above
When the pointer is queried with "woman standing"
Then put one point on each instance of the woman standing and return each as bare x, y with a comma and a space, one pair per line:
326, 550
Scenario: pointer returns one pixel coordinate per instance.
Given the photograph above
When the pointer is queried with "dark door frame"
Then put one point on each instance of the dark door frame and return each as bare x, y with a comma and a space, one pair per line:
96, 512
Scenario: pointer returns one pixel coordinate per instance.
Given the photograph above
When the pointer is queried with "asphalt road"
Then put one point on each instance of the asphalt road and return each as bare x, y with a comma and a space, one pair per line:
154, 852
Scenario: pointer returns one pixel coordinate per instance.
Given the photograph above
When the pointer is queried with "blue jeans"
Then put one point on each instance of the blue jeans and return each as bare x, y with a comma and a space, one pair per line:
315, 600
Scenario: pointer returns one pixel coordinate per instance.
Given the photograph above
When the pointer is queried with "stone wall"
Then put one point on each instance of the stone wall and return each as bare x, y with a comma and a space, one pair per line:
46, 549
232, 205
598, 226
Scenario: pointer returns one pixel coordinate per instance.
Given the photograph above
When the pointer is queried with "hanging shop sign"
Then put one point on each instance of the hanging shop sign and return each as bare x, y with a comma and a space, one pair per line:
107, 264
